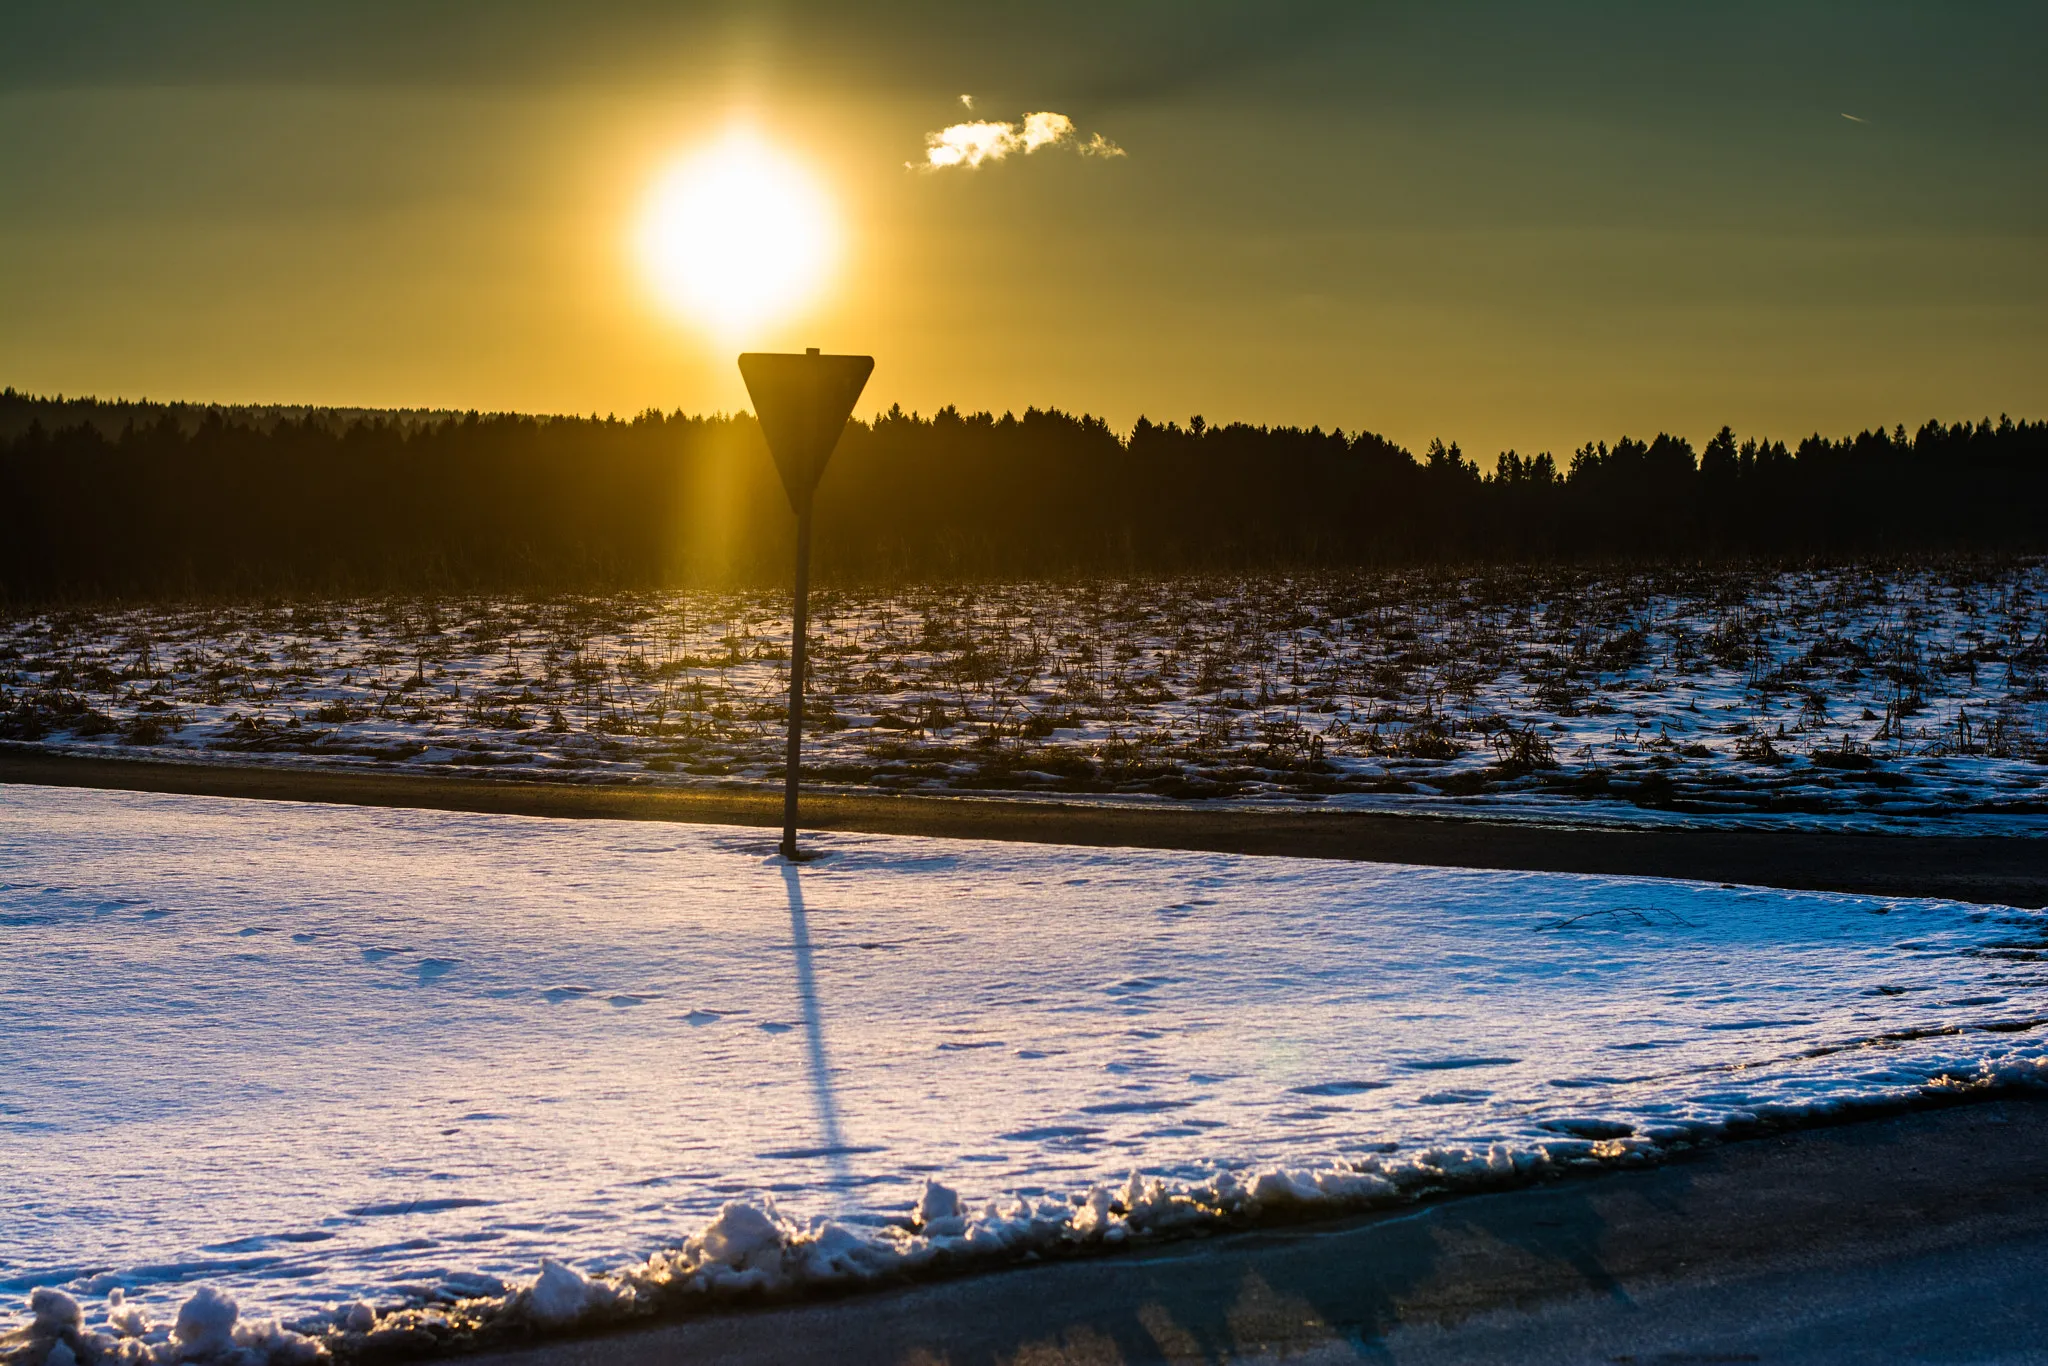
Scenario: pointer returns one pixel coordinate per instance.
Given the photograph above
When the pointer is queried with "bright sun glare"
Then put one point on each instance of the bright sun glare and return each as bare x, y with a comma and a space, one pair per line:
736, 236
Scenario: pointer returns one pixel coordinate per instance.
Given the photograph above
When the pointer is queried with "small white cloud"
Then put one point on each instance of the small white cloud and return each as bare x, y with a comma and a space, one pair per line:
1046, 130
970, 144
1853, 119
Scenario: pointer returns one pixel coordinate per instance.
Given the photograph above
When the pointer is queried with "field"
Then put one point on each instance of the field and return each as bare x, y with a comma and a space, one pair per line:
1903, 696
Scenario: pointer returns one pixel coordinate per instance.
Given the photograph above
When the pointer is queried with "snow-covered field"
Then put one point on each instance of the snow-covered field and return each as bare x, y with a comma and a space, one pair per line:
1908, 698
333, 1061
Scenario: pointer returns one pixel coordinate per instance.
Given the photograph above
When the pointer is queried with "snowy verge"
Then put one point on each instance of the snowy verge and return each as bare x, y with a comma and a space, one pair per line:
754, 1253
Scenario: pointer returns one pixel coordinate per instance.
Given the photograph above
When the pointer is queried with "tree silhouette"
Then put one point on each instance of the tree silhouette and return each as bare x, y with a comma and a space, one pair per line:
125, 499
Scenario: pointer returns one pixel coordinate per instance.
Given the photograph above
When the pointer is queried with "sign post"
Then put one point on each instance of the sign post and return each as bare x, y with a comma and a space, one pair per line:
802, 403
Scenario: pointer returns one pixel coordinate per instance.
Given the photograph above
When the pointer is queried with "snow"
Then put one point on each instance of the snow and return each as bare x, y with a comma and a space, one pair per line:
52, 1313
206, 1323
560, 1294
284, 1069
1907, 698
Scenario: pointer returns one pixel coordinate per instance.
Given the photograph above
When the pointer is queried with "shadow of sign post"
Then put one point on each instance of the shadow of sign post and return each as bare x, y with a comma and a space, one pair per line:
833, 1146
802, 403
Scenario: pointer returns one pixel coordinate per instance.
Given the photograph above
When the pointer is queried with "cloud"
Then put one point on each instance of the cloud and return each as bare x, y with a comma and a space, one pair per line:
1046, 130
1853, 119
968, 145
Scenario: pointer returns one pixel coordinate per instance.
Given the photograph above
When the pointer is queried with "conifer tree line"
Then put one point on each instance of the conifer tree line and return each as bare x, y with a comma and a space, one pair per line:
110, 499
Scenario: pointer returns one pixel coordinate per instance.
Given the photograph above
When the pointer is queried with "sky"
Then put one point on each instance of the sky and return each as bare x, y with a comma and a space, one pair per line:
1502, 224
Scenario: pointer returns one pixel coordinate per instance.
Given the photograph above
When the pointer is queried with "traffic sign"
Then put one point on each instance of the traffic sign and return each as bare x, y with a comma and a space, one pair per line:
802, 403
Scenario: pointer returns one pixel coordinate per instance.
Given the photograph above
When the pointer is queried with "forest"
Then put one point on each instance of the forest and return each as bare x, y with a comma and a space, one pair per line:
124, 500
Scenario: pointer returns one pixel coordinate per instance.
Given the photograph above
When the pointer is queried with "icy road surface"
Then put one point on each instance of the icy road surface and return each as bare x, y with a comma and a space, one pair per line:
310, 1053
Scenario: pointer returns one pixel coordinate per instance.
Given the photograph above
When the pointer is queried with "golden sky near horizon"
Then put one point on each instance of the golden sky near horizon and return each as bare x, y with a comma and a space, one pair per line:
1468, 221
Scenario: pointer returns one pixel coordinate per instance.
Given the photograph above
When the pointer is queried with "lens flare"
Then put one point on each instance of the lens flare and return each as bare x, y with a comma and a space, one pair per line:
737, 236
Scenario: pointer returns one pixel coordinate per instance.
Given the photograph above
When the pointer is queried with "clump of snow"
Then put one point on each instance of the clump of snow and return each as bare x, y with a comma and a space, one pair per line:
55, 1327
124, 1318
936, 1204
206, 1323
562, 1294
53, 1314
742, 1249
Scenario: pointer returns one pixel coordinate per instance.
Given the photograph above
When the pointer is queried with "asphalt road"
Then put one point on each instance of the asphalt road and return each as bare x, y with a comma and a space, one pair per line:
2007, 871
1921, 1238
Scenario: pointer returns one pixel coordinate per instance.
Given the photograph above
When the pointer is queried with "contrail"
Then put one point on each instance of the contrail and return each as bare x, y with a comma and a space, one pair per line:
1853, 119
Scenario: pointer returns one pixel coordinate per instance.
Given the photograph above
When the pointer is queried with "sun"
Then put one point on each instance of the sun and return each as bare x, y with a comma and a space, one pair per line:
737, 236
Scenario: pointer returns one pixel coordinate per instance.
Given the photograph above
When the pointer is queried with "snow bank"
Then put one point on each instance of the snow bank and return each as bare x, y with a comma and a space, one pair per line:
754, 1251
209, 1332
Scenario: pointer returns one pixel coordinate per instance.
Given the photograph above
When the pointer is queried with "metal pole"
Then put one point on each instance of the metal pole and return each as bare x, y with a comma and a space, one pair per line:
799, 631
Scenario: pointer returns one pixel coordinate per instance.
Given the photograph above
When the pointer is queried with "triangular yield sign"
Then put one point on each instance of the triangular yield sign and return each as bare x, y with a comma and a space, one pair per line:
803, 403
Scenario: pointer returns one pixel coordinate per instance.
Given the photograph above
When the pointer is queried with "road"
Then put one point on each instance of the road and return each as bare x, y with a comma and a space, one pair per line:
2006, 871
